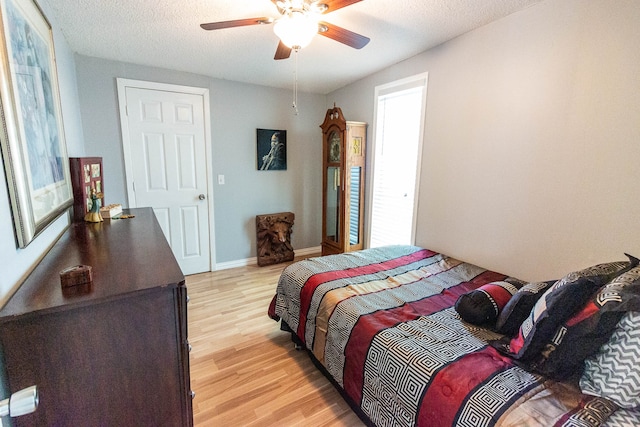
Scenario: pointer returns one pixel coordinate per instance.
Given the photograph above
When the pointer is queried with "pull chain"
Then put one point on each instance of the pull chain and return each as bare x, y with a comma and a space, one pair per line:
295, 83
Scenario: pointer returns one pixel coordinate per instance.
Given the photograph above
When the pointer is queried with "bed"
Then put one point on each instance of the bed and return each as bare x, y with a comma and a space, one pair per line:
382, 325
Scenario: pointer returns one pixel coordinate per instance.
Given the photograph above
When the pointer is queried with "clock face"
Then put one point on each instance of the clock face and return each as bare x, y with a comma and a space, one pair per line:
334, 147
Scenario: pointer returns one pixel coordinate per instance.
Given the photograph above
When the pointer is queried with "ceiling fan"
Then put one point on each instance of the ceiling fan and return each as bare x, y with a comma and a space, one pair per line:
298, 23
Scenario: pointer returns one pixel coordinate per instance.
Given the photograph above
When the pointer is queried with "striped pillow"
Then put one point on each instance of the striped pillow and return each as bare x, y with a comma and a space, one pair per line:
614, 372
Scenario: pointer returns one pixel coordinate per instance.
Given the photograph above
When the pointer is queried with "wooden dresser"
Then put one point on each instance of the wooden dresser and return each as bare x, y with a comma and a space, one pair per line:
112, 354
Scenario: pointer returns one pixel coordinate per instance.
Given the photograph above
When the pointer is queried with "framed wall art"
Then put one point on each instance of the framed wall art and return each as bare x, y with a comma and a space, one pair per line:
272, 149
32, 137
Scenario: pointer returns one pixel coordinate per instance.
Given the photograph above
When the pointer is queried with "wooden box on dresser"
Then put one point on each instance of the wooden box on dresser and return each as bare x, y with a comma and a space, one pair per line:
114, 353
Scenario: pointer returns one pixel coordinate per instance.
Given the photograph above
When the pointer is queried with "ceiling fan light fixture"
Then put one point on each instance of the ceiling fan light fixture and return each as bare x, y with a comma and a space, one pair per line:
296, 29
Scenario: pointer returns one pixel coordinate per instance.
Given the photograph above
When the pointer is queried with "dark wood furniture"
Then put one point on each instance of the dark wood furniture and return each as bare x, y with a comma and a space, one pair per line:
113, 353
343, 168
86, 174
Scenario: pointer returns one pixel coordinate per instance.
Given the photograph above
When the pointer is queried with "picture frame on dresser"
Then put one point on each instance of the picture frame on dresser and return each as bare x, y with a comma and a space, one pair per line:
32, 138
86, 175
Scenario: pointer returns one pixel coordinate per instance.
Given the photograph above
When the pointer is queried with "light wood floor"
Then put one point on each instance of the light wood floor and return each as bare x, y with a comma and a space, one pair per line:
244, 370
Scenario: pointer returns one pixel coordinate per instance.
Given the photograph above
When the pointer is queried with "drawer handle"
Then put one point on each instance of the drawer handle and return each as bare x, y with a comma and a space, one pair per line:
20, 403
192, 394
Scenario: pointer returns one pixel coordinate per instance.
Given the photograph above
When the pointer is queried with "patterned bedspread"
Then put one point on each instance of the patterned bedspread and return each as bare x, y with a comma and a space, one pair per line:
382, 323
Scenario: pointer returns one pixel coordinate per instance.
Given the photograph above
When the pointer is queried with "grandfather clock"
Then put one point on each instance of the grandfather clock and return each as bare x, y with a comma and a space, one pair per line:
343, 164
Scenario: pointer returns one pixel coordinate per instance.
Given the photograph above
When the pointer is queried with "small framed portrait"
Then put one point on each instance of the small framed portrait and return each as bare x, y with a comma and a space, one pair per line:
271, 149
95, 170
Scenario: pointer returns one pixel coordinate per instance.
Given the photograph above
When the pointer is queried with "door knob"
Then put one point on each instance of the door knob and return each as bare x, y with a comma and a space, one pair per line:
202, 197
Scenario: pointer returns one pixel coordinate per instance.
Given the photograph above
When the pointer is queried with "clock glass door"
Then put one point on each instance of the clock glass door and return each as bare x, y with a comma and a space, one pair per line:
332, 214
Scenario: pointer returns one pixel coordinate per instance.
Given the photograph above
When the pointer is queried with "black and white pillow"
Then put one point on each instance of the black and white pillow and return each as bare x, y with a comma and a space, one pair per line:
588, 329
555, 306
519, 307
614, 372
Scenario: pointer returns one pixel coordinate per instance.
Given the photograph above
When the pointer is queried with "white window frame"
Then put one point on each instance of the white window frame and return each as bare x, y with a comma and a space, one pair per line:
382, 90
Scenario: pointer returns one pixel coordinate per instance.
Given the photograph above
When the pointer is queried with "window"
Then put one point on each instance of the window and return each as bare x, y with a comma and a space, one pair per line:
398, 132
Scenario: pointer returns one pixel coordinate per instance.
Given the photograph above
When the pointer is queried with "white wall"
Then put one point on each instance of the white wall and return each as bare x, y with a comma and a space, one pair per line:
16, 263
237, 110
532, 142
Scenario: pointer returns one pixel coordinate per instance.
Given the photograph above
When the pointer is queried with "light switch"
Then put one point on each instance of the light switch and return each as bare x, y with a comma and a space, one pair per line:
221, 179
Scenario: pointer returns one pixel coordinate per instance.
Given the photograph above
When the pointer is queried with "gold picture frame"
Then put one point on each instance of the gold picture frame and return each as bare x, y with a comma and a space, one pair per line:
33, 143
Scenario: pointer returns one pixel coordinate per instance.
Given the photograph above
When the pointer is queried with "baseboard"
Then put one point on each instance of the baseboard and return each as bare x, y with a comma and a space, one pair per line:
308, 251
254, 261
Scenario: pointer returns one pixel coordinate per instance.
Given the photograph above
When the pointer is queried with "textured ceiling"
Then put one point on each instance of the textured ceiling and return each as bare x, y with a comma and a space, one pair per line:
167, 34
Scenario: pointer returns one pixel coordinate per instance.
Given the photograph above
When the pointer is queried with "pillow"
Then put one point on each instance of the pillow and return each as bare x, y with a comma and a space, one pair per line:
555, 306
614, 372
587, 330
519, 307
483, 305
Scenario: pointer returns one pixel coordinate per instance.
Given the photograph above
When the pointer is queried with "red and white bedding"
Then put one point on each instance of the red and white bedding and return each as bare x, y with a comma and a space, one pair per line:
382, 324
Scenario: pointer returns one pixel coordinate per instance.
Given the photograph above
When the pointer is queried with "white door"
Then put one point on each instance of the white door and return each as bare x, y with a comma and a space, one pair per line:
165, 147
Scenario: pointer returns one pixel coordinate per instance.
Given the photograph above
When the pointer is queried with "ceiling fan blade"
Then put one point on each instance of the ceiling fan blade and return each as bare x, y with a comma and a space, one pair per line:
277, 5
236, 23
343, 35
337, 4
283, 51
